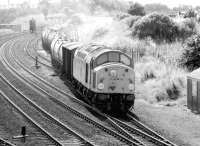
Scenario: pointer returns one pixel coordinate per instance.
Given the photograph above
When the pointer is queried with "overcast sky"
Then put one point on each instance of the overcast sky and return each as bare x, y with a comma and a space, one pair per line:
169, 3
17, 1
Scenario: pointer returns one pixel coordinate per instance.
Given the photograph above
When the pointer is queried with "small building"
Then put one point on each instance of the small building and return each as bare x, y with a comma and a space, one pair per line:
193, 91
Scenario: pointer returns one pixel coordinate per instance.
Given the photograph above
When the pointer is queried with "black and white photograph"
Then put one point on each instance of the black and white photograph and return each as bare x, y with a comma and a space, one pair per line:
99, 73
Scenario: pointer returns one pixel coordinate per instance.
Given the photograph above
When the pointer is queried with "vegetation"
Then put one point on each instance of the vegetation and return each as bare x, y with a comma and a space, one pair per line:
162, 28
160, 76
190, 14
136, 9
158, 8
155, 41
190, 57
157, 26
8, 15
44, 6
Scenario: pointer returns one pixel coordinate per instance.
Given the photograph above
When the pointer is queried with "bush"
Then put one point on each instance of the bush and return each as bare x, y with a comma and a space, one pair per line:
157, 26
190, 13
191, 54
136, 9
159, 82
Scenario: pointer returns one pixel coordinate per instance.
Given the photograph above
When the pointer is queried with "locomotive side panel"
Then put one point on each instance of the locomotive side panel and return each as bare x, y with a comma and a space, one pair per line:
68, 57
79, 69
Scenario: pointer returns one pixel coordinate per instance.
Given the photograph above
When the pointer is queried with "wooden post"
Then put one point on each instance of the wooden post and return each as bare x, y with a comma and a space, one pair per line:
23, 134
36, 62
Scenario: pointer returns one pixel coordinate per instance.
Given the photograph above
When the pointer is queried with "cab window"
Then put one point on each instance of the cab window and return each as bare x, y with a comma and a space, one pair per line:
113, 57
125, 60
102, 59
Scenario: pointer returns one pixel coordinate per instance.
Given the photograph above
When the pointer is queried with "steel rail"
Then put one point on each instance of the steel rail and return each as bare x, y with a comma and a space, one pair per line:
42, 110
153, 137
79, 114
6, 143
33, 57
148, 130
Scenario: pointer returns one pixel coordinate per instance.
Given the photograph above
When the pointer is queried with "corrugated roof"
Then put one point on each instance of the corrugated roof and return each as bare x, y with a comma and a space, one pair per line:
195, 74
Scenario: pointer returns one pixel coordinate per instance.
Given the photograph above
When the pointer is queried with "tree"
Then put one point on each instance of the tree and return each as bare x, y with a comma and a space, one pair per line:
157, 26
159, 8
191, 54
136, 9
190, 14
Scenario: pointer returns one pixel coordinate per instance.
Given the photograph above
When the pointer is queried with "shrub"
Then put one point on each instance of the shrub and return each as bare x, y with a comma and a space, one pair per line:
191, 54
136, 9
159, 82
157, 26
190, 13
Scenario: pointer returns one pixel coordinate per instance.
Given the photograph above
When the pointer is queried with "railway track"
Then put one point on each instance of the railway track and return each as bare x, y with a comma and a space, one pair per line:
5, 143
33, 53
123, 136
47, 123
4, 140
131, 130
107, 130
123, 129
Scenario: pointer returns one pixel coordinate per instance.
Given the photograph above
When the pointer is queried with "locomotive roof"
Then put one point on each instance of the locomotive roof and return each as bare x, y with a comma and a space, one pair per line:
94, 50
71, 45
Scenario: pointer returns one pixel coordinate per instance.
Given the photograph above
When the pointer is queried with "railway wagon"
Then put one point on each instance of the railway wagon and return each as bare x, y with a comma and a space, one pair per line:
48, 36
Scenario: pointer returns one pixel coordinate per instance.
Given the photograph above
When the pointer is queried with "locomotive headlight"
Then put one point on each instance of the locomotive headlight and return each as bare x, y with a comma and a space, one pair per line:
131, 87
100, 86
113, 73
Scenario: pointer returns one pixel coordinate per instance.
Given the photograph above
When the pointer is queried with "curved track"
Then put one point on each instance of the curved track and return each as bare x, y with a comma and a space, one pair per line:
123, 135
33, 53
58, 132
131, 129
5, 143
89, 120
129, 132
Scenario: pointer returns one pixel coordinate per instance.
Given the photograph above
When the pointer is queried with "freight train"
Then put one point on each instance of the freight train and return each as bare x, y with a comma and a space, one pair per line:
103, 75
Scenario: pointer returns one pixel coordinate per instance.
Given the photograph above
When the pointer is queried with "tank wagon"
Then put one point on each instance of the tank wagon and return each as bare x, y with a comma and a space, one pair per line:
103, 75
48, 36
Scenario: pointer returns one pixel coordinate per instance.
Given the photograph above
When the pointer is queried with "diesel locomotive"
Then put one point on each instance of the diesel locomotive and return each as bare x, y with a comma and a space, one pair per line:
103, 75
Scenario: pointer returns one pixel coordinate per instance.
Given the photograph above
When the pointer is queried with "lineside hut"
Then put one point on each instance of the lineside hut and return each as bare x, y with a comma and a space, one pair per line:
193, 91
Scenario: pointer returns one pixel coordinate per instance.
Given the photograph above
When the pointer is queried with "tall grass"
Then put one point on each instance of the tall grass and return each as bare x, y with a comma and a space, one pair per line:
158, 74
